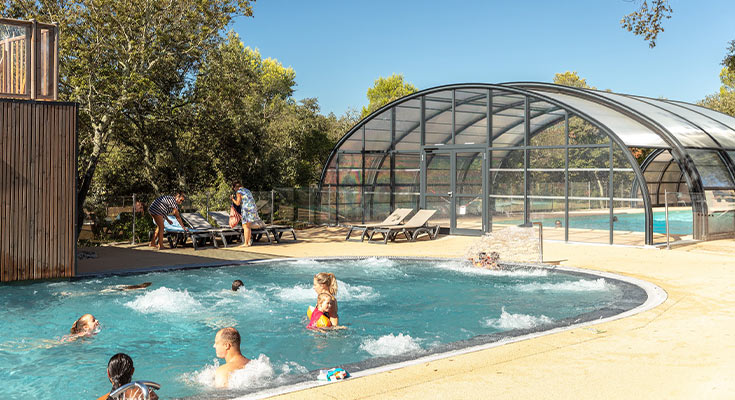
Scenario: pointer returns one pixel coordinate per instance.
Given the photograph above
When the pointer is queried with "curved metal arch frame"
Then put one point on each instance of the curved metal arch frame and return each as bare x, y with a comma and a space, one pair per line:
524, 88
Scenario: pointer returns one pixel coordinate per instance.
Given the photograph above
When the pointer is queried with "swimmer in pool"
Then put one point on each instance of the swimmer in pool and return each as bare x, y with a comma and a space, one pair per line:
227, 346
325, 282
324, 304
237, 284
86, 325
118, 288
120, 372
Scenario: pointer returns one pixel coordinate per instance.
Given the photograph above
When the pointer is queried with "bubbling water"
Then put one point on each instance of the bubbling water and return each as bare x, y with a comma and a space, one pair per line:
391, 345
508, 321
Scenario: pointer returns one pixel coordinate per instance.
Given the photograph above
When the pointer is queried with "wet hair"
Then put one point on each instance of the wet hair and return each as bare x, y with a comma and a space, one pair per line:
120, 369
80, 325
230, 335
236, 284
327, 279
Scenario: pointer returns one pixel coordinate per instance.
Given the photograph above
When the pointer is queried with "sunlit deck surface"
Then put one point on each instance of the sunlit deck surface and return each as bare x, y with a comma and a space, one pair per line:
681, 349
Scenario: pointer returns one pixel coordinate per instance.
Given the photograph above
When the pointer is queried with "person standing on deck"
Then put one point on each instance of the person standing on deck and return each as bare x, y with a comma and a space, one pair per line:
160, 209
245, 203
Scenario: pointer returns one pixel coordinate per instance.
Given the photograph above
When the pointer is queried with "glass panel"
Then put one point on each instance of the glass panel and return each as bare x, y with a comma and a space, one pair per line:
437, 173
547, 124
721, 213
469, 212
438, 114
377, 132
377, 169
508, 119
354, 142
471, 117
14, 60
350, 204
724, 135
724, 119
408, 126
589, 213
377, 203
684, 131
469, 173
583, 132
408, 171
627, 129
506, 188
442, 206
711, 169
330, 177
350, 169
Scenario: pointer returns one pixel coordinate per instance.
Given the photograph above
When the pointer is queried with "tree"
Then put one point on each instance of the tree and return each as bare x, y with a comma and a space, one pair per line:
571, 79
130, 66
724, 100
648, 22
386, 90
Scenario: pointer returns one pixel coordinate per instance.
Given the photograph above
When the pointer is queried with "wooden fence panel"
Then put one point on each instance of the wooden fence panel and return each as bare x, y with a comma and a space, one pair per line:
37, 190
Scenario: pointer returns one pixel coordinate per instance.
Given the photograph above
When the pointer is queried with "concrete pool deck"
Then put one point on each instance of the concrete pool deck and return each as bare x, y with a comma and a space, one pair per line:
682, 349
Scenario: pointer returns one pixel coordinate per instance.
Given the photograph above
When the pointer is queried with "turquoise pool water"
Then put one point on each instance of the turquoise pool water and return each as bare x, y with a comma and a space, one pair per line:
680, 222
392, 308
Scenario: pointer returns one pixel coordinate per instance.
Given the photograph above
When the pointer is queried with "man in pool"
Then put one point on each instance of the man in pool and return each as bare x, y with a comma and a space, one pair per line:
227, 346
237, 284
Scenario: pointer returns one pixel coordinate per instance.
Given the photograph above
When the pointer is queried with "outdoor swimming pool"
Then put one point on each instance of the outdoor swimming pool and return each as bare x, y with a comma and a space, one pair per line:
680, 221
394, 309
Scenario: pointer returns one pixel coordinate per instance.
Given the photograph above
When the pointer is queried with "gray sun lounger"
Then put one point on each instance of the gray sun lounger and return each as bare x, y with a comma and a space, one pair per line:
412, 229
222, 219
197, 222
276, 230
176, 234
394, 219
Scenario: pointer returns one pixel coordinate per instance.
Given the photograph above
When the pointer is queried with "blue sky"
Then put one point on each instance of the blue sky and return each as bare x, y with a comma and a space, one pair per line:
339, 48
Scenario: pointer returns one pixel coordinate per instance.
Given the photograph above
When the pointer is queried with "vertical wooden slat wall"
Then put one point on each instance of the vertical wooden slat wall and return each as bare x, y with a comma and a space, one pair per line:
37, 190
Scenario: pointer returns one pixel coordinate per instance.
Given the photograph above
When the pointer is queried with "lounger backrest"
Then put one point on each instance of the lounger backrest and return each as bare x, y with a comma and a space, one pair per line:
221, 218
421, 218
174, 226
196, 221
397, 216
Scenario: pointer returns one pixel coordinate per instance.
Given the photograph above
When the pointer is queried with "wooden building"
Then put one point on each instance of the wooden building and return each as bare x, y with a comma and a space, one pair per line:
37, 157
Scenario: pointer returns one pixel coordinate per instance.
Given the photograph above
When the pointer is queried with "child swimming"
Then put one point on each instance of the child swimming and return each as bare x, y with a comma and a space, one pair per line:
319, 317
325, 282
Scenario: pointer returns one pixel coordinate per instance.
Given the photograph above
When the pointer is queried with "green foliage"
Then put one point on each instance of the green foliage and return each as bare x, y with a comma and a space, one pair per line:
571, 79
386, 90
724, 100
648, 22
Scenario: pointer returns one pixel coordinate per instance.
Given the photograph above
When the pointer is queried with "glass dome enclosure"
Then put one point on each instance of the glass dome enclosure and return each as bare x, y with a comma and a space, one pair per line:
485, 156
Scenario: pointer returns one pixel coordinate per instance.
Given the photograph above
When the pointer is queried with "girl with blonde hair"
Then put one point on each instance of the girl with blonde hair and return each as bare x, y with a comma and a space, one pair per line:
325, 282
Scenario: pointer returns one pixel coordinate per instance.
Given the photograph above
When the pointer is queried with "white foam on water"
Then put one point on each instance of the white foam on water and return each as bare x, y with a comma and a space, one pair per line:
293, 367
467, 268
165, 300
348, 292
390, 345
375, 262
516, 321
257, 373
296, 294
243, 296
582, 285
304, 263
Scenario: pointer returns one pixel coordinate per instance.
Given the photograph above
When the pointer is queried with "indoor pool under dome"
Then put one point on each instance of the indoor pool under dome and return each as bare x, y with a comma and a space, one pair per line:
395, 310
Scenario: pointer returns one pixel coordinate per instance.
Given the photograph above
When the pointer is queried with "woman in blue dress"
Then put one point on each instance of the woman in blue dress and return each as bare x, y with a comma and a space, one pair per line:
245, 203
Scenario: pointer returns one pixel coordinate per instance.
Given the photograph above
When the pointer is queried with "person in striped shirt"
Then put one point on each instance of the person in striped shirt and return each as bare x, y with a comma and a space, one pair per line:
160, 209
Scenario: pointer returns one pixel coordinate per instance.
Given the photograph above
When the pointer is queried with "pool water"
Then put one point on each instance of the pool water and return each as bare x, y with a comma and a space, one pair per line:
680, 222
391, 307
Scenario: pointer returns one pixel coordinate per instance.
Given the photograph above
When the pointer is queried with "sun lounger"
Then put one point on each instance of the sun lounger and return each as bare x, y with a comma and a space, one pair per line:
395, 218
176, 234
197, 222
412, 229
222, 219
277, 230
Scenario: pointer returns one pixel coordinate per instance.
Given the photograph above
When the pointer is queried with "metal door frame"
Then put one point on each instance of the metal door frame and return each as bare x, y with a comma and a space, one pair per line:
452, 152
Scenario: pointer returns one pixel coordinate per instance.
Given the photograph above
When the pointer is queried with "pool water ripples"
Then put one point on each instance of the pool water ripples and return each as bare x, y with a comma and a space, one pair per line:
390, 307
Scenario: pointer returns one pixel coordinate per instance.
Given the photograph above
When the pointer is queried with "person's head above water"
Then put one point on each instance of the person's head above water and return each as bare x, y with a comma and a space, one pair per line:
85, 324
325, 302
120, 370
237, 284
226, 340
325, 282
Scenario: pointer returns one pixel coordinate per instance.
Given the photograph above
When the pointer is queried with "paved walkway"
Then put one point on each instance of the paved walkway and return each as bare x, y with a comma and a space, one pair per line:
682, 349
